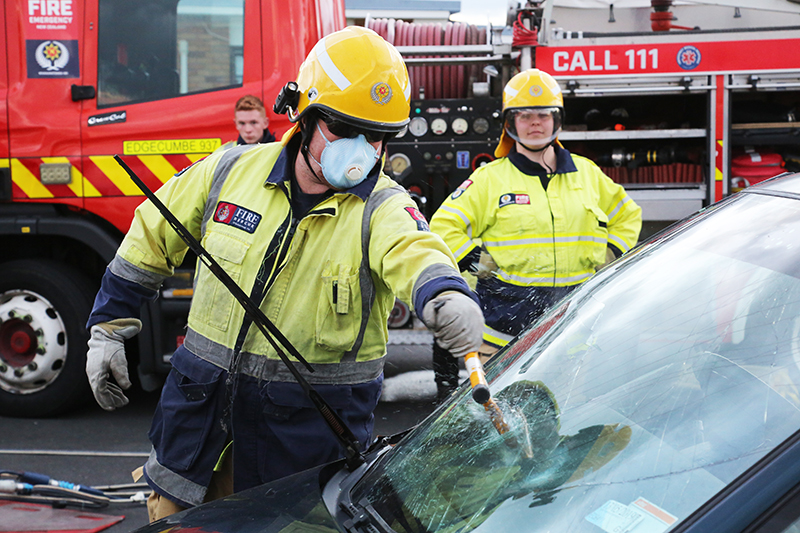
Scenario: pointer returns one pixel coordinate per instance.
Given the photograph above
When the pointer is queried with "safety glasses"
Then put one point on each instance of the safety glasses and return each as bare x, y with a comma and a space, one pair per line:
348, 131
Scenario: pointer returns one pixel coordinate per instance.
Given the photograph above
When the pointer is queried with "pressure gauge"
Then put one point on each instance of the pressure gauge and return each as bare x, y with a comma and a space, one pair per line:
438, 126
418, 126
480, 126
459, 126
400, 165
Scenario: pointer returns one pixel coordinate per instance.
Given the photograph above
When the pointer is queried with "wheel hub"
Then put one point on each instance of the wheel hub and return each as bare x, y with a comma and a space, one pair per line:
33, 342
17, 343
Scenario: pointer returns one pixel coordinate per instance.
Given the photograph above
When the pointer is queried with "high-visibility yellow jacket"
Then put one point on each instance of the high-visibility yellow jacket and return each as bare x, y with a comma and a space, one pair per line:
311, 275
539, 237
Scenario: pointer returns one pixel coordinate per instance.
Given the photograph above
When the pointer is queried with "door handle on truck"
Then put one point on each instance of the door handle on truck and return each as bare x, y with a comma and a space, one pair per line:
82, 92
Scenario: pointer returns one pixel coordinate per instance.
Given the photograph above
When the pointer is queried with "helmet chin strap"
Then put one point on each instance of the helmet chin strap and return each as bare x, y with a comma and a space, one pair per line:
542, 149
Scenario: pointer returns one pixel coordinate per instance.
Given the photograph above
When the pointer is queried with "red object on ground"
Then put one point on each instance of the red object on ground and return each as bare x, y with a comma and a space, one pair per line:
23, 517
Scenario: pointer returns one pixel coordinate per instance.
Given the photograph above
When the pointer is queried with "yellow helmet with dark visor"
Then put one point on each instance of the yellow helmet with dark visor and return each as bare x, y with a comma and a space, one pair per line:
354, 79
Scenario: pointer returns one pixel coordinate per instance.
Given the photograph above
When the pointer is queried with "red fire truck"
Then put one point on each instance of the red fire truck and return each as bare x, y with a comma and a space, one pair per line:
80, 81
681, 116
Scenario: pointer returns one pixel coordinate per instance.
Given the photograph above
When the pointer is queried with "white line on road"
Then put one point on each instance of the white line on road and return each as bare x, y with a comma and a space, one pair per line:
86, 453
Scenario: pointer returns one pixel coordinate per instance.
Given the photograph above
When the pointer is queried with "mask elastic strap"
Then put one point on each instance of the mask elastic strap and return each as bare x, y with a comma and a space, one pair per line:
327, 142
304, 149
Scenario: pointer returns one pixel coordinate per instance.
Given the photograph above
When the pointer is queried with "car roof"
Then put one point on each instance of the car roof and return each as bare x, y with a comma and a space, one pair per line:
788, 183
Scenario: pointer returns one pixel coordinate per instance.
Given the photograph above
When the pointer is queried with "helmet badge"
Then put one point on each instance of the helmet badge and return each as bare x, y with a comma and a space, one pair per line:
535, 91
381, 93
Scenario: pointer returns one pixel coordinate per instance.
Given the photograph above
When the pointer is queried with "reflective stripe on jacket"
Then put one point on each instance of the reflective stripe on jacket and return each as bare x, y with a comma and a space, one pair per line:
537, 237
309, 274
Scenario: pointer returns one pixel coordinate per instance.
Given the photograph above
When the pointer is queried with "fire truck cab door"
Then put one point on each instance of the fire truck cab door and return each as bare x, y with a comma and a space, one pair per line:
167, 75
43, 41
4, 173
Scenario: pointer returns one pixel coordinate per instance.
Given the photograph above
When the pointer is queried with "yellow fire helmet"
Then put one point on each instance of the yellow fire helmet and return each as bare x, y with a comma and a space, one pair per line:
533, 90
356, 76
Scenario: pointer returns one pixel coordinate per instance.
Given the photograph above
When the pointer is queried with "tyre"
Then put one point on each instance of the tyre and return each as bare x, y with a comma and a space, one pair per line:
400, 315
43, 310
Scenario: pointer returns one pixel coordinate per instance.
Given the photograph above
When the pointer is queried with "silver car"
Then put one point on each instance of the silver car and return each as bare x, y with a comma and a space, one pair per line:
662, 395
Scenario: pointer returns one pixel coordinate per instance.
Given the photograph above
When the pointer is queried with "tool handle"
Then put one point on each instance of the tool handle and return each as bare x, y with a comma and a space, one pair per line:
480, 389
481, 392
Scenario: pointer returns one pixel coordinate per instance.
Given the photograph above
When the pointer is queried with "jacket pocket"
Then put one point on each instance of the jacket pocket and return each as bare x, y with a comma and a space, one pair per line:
212, 302
186, 418
281, 401
595, 231
339, 308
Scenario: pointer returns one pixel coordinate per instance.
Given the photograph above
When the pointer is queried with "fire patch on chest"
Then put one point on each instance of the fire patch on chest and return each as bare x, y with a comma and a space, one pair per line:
237, 217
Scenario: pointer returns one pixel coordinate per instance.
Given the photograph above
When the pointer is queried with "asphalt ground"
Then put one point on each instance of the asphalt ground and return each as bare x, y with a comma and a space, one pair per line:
98, 448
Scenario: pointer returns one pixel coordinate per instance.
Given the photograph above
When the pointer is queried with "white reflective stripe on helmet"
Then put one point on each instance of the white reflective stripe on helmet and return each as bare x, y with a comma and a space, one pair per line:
330, 67
511, 92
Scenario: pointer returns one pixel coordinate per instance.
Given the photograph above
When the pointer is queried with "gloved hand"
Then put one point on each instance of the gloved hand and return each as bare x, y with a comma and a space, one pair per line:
486, 267
456, 321
107, 355
610, 256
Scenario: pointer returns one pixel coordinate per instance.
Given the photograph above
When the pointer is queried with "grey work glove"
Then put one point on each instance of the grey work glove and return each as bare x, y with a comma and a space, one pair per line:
456, 321
106, 357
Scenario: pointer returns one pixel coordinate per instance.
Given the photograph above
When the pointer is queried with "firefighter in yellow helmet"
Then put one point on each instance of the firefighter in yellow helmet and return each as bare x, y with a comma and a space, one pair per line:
546, 218
312, 230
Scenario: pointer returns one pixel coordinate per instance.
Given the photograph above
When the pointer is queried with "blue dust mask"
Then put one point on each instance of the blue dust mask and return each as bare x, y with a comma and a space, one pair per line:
346, 162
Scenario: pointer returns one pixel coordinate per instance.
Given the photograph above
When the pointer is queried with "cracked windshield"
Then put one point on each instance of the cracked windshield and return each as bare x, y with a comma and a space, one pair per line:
632, 402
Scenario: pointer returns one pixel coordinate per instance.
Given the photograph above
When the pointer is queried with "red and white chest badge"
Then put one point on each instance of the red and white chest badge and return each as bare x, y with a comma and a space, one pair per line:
237, 217
514, 199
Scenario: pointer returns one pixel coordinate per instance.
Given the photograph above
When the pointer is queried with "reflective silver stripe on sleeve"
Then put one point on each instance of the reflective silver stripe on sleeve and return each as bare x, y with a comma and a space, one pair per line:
330, 67
469, 245
128, 271
224, 166
432, 272
460, 215
622, 245
618, 207
493, 334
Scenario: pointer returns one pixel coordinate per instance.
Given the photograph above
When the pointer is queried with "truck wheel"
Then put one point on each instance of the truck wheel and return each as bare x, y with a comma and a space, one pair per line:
43, 310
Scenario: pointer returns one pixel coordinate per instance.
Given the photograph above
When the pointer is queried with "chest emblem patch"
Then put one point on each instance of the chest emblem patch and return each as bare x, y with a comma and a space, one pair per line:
514, 199
237, 217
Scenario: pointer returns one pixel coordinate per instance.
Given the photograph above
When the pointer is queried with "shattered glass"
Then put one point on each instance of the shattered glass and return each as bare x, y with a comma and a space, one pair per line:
641, 395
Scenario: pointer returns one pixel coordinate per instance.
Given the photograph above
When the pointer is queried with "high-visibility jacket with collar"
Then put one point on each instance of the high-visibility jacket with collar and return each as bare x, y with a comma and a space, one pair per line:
308, 274
553, 237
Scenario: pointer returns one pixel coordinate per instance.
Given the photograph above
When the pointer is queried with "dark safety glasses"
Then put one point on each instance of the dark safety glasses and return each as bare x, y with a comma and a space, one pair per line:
348, 131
